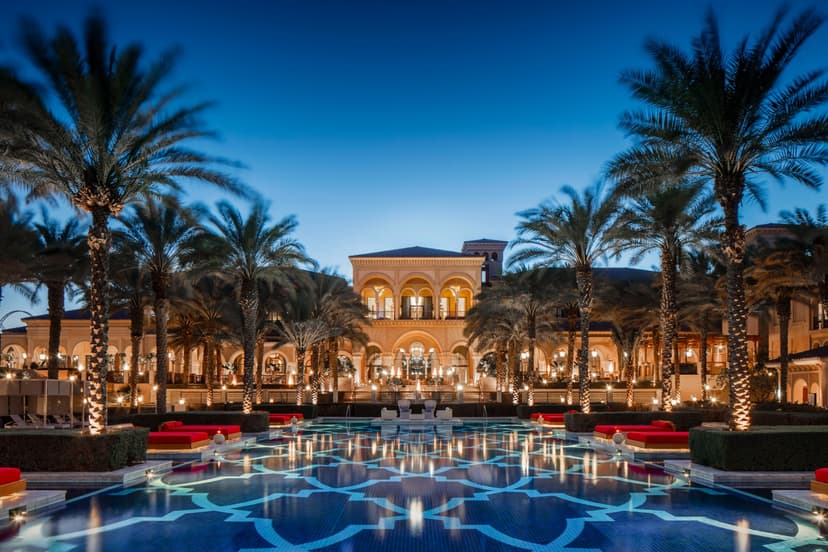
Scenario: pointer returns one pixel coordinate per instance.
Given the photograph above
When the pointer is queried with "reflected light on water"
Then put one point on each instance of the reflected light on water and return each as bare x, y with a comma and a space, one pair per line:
415, 516
742, 536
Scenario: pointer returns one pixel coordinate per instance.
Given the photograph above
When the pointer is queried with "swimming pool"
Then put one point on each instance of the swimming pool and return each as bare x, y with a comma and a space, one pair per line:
496, 485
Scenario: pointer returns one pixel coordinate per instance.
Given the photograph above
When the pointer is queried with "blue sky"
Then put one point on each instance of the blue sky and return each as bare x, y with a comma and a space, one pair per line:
387, 124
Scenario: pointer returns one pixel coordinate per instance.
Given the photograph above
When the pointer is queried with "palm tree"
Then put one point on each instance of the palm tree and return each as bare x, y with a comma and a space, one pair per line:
209, 307
18, 241
246, 251
702, 305
629, 302
777, 271
161, 236
576, 234
343, 312
59, 263
130, 290
728, 118
669, 219
485, 328
808, 238
122, 138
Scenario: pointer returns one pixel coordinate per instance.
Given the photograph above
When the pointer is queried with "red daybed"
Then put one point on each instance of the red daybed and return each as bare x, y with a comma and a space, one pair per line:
174, 440
282, 419
10, 481
820, 482
658, 439
607, 431
229, 431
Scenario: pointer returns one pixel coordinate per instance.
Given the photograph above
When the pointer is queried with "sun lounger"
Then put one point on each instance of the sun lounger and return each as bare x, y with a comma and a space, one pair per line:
284, 419
386, 414
10, 481
820, 482
230, 432
405, 408
445, 414
178, 440
658, 439
429, 405
607, 431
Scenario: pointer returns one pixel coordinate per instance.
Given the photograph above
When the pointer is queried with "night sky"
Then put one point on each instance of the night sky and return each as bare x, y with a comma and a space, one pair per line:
389, 124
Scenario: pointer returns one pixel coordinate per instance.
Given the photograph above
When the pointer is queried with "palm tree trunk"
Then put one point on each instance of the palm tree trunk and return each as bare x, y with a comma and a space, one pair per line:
783, 312
316, 374
54, 293
208, 370
677, 389
733, 247
98, 240
136, 333
249, 306
667, 316
572, 320
703, 357
583, 276
259, 370
628, 377
530, 398
502, 369
300, 376
514, 361
333, 365
162, 308
187, 362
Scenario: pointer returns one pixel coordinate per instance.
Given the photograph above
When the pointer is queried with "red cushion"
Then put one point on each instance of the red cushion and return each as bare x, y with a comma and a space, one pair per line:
170, 424
821, 475
610, 430
285, 417
547, 416
664, 424
209, 429
9, 475
659, 437
176, 437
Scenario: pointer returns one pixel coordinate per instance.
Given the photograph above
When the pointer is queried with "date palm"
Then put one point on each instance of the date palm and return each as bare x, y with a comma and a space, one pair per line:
60, 262
210, 307
578, 233
18, 241
247, 250
628, 300
701, 304
101, 131
729, 118
161, 237
668, 220
777, 272
808, 238
130, 290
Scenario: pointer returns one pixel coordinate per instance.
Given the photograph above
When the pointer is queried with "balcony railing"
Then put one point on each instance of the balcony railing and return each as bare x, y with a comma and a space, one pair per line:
417, 313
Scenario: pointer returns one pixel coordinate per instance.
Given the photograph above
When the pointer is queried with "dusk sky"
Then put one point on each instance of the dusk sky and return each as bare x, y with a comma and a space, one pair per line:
388, 124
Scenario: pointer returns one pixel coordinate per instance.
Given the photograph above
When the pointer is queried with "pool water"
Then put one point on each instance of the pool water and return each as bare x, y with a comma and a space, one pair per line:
496, 485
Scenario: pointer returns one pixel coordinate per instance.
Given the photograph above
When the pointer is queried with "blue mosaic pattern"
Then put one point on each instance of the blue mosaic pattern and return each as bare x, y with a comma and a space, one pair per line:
493, 486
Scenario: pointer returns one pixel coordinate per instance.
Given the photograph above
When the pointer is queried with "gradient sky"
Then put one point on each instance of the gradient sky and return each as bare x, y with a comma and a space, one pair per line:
388, 124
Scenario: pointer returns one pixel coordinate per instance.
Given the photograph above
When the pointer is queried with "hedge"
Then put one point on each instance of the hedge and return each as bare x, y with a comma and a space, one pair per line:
255, 422
781, 448
585, 423
50, 450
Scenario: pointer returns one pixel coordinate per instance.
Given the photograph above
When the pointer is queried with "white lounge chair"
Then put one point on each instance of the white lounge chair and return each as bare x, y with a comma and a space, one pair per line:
386, 414
445, 414
405, 409
428, 408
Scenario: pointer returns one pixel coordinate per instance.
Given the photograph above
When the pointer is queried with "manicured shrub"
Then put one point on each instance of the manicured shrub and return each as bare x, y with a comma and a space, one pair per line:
585, 423
46, 450
255, 422
781, 448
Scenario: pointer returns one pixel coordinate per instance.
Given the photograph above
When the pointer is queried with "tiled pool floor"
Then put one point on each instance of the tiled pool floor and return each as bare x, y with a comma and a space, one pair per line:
492, 486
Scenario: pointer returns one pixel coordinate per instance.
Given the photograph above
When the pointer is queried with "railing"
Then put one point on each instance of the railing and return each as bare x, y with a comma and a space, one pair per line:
417, 312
